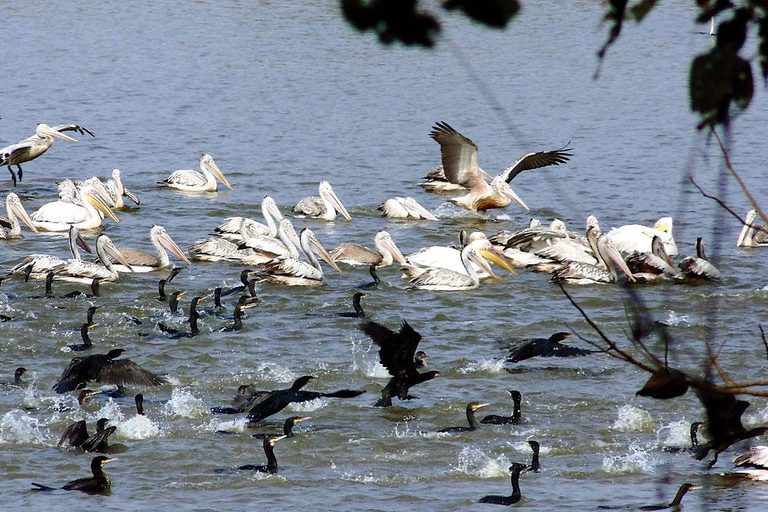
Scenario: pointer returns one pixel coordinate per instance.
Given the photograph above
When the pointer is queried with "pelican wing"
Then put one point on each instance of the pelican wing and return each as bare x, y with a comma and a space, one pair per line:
311, 206
756, 457
187, 178
459, 155
79, 269
290, 267
138, 258
73, 128
60, 212
441, 278
566, 250
266, 245
355, 254
209, 248
536, 161
577, 272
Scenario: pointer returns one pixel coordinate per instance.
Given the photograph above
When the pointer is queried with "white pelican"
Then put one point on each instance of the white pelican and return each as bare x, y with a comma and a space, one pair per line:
753, 463
404, 208
449, 258
752, 234
293, 272
113, 190
79, 271
232, 226
324, 206
141, 261
193, 181
59, 215
460, 166
651, 266
355, 254
698, 268
41, 264
442, 279
609, 257
34, 146
15, 212
262, 248
437, 182
634, 237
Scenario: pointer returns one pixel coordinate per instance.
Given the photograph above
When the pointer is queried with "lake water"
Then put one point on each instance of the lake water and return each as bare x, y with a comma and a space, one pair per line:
283, 96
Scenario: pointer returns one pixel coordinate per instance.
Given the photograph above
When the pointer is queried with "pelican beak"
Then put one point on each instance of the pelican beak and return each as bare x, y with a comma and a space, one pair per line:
324, 253
419, 211
337, 204
614, 257
167, 242
95, 199
496, 256
393, 250
47, 130
113, 252
475, 256
507, 191
130, 195
18, 209
217, 172
79, 240
274, 211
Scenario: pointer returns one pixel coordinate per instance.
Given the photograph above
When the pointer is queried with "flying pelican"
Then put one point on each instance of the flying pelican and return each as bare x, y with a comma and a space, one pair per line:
441, 279
634, 237
752, 234
59, 215
79, 271
34, 146
232, 226
37, 266
193, 181
609, 258
404, 208
355, 254
460, 166
15, 212
324, 206
293, 272
141, 261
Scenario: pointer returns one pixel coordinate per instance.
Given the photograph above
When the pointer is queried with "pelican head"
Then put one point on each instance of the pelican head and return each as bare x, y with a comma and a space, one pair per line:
161, 235
288, 236
473, 254
416, 210
747, 229
558, 225
329, 196
499, 185
664, 224
384, 242
16, 209
98, 201
43, 131
270, 206
592, 222
207, 164
312, 241
489, 252
105, 246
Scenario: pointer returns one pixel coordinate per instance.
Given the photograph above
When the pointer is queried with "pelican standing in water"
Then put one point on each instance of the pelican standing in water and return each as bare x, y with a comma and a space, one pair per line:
459, 155
83, 214
141, 261
355, 254
37, 266
442, 279
231, 228
634, 237
15, 212
79, 271
752, 234
188, 180
293, 272
324, 206
404, 208
34, 146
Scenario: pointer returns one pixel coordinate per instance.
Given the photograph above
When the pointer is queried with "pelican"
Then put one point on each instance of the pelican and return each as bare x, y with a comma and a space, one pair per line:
355, 254
141, 261
442, 279
15, 212
753, 463
437, 182
609, 258
79, 271
634, 237
232, 226
41, 264
651, 266
752, 234
59, 215
404, 208
262, 248
324, 206
293, 272
34, 146
113, 190
449, 258
698, 268
193, 181
460, 166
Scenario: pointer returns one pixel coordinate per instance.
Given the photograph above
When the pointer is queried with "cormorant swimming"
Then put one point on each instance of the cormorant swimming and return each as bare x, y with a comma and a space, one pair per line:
99, 483
87, 343
17, 374
104, 368
376, 280
247, 284
473, 423
397, 352
95, 291
287, 427
545, 347
271, 466
535, 466
173, 302
675, 503
516, 469
495, 419
358, 309
76, 435
194, 316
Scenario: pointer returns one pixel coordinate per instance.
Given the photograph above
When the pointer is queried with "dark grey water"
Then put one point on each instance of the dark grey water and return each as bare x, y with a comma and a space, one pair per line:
283, 96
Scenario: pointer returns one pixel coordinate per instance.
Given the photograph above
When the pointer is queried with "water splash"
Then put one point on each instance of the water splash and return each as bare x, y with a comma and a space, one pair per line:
183, 403
483, 366
632, 419
638, 460
473, 461
18, 427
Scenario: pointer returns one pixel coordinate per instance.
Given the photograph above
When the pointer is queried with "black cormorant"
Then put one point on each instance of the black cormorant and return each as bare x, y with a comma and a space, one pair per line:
104, 368
397, 352
89, 315
694, 441
173, 302
194, 316
247, 284
76, 435
271, 402
545, 347
87, 343
139, 399
95, 291
271, 466
358, 309
495, 419
675, 503
535, 466
665, 383
287, 427
376, 280
473, 423
99, 483
17, 374
240, 403
516, 469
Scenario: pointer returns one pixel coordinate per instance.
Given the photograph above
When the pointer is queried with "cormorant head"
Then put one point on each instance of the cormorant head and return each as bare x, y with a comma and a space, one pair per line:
85, 394
559, 336
115, 353
515, 394
101, 423
534, 446
271, 441
18, 373
297, 419
473, 406
518, 468
420, 358
99, 461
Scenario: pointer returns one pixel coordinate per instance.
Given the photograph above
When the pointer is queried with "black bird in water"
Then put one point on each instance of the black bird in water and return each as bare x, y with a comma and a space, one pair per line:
245, 302
139, 404
76, 435
99, 483
473, 423
535, 466
268, 403
675, 503
87, 343
495, 419
694, 441
242, 401
397, 352
104, 368
287, 427
17, 374
545, 347
516, 469
194, 316
247, 284
271, 465
173, 302
95, 291
89, 315
358, 309
376, 281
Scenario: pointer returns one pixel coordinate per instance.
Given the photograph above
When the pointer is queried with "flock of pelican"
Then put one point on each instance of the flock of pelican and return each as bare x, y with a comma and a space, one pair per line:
281, 255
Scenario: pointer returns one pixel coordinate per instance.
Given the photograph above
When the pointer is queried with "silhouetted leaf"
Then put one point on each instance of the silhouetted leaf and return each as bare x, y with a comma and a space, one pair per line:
392, 20
642, 8
494, 13
717, 79
762, 49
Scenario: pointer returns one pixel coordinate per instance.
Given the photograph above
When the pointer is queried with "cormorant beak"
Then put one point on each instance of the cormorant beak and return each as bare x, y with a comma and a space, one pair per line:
478, 406
303, 418
107, 461
274, 440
